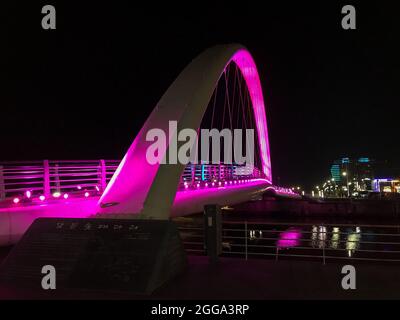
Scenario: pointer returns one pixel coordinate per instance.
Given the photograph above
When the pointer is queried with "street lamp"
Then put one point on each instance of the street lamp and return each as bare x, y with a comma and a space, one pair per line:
344, 174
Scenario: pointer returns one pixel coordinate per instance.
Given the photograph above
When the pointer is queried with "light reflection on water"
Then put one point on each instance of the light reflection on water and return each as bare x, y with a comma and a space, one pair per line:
338, 240
289, 238
321, 237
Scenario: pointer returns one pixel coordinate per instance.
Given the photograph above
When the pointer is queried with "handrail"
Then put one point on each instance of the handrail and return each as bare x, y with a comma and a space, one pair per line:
43, 178
310, 224
303, 241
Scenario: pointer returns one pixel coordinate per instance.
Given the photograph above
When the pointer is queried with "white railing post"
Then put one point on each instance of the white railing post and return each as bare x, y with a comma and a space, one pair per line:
2, 186
46, 178
57, 178
103, 175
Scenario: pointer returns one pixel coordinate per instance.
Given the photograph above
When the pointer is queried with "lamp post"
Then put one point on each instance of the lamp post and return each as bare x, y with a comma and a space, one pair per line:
347, 183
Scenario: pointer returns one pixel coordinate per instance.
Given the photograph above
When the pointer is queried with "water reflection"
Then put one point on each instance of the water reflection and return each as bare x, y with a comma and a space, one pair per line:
255, 234
335, 239
353, 241
289, 238
338, 240
319, 237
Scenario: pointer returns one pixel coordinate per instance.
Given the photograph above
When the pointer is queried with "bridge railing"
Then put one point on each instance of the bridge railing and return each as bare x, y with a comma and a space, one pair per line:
324, 243
55, 178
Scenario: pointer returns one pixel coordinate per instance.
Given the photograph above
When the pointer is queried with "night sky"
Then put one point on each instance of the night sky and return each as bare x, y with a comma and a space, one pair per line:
83, 91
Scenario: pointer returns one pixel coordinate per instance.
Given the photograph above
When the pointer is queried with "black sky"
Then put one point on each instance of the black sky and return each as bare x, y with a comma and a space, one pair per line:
84, 90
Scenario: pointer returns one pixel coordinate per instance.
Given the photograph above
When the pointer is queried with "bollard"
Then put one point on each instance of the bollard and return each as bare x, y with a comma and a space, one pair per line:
212, 232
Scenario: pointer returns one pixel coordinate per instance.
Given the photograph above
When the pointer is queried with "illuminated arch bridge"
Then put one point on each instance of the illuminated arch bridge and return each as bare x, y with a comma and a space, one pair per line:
218, 89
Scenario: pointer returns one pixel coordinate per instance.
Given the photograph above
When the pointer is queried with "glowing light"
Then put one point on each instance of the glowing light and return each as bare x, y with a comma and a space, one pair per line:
16, 200
247, 66
97, 189
79, 187
87, 194
28, 194
56, 194
289, 238
42, 198
66, 196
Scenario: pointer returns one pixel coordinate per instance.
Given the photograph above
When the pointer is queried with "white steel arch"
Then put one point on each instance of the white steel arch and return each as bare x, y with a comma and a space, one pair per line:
147, 190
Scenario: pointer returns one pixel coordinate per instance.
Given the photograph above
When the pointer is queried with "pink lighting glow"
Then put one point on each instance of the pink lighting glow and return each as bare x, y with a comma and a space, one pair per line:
16, 200
56, 194
28, 194
66, 196
247, 66
42, 198
87, 194
289, 238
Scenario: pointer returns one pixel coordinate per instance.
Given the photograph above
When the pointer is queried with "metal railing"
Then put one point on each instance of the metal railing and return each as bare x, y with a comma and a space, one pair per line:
218, 172
327, 242
50, 176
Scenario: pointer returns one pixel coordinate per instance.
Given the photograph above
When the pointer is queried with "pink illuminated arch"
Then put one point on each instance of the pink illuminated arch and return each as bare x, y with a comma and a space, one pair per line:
138, 187
248, 68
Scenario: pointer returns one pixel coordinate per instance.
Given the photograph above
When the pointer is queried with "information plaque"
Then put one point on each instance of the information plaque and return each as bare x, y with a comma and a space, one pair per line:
100, 254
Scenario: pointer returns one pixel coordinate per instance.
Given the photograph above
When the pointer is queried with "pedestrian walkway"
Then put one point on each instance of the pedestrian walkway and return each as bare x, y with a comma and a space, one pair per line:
252, 279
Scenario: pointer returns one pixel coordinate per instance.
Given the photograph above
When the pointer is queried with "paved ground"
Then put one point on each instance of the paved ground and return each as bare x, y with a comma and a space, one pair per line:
253, 279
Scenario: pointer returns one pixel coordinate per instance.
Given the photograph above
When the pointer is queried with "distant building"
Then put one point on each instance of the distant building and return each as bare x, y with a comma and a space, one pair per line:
351, 176
357, 177
386, 185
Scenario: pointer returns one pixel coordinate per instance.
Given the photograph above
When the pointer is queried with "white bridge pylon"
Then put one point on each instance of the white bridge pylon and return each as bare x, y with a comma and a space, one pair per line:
150, 190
